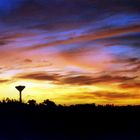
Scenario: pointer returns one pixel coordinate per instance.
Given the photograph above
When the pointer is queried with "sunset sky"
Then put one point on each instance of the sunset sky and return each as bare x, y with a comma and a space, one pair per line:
71, 51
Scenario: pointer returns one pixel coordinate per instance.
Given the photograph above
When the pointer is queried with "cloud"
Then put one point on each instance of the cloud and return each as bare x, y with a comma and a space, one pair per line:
115, 95
90, 80
2, 42
132, 85
77, 80
127, 61
128, 65
74, 79
103, 96
4, 81
28, 60
39, 76
89, 37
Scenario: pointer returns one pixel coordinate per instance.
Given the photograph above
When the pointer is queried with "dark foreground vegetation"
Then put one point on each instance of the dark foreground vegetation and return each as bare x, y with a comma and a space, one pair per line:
48, 121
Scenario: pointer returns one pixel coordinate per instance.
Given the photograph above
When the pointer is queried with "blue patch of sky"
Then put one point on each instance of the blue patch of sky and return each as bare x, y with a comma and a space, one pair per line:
121, 20
60, 48
123, 50
7, 5
118, 20
116, 49
66, 34
114, 21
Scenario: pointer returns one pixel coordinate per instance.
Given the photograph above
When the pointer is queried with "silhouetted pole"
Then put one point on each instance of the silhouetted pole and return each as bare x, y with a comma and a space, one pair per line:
20, 96
20, 89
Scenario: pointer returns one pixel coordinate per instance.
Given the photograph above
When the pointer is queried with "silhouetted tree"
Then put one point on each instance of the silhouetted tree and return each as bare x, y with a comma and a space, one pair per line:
32, 102
49, 104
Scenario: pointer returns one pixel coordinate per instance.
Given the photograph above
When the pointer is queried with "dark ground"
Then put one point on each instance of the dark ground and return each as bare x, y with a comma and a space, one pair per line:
80, 122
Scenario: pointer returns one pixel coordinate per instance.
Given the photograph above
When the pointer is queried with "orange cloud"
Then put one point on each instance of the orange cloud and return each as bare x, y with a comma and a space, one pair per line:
103, 97
4, 81
74, 79
39, 76
130, 85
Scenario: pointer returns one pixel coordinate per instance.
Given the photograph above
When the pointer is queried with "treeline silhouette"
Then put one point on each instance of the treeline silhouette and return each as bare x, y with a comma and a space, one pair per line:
50, 106
48, 121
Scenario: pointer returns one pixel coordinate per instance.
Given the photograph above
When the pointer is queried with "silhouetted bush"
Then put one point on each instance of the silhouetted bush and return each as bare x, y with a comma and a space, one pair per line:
32, 102
49, 104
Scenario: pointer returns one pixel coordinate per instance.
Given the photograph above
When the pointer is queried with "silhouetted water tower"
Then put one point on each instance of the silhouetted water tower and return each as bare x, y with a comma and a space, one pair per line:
20, 89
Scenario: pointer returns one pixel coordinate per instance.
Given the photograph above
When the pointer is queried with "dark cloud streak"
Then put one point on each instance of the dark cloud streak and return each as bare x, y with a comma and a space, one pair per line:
74, 80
